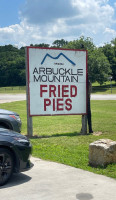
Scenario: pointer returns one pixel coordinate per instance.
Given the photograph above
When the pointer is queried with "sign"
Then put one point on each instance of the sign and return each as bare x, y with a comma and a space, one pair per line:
57, 81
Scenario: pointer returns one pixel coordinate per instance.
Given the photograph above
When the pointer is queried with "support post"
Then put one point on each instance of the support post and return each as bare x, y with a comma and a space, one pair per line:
89, 108
29, 119
84, 125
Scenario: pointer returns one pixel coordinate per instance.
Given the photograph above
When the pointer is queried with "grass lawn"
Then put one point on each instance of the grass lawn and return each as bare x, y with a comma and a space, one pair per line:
59, 136
13, 90
106, 88
105, 84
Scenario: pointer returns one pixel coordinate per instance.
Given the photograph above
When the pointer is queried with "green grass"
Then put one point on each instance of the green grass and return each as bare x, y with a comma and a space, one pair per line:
59, 136
106, 88
105, 84
13, 90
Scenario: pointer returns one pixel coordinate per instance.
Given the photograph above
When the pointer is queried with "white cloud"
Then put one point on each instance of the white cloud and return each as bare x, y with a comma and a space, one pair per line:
47, 20
110, 31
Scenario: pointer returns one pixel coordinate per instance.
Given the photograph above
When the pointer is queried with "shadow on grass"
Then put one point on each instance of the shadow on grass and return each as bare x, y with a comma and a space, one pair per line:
103, 88
95, 90
110, 166
57, 135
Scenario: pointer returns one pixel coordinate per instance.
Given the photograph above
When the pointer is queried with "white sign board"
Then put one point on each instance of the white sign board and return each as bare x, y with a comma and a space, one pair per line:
57, 81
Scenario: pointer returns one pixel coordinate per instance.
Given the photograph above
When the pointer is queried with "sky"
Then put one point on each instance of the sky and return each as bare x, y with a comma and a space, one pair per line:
25, 22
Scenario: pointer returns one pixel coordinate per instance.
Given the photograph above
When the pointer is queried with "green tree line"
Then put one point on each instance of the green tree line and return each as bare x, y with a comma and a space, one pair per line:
101, 60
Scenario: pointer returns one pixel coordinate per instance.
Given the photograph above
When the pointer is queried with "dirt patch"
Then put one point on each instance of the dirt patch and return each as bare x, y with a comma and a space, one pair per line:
97, 133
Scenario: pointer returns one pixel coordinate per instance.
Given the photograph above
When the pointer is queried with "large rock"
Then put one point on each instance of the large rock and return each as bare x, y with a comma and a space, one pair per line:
102, 152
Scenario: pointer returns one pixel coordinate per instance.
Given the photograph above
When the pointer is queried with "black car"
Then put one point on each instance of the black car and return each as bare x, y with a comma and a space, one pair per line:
10, 120
15, 150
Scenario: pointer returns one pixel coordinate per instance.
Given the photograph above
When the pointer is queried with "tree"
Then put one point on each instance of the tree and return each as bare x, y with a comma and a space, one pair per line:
110, 52
59, 43
98, 64
40, 45
81, 43
12, 66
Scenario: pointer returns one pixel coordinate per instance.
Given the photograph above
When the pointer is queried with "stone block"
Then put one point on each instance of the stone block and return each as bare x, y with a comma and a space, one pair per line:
102, 152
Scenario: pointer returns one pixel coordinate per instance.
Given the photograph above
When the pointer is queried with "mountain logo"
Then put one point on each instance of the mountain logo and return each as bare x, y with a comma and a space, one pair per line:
61, 54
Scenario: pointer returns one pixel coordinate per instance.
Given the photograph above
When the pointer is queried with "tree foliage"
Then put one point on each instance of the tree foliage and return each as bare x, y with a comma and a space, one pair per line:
101, 61
110, 52
81, 43
98, 64
40, 45
59, 43
12, 66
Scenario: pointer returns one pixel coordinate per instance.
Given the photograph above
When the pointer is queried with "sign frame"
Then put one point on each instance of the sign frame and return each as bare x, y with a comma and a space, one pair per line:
28, 78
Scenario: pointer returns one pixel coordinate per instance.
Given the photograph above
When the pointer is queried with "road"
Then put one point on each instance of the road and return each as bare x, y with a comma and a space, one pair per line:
5, 98
103, 97
19, 97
